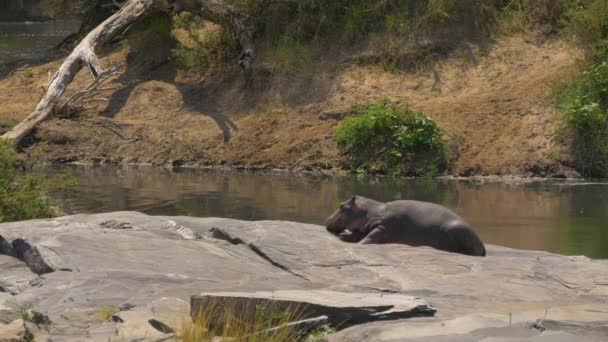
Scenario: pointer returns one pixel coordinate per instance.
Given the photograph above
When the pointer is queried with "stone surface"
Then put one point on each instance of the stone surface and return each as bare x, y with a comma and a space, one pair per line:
13, 332
131, 260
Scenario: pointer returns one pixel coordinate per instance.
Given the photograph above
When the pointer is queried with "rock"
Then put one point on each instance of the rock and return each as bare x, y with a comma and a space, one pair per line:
115, 259
469, 329
13, 332
157, 319
15, 275
341, 309
8, 316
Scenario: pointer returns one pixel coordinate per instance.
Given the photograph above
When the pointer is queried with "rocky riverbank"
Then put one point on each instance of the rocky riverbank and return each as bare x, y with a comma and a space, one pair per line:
58, 275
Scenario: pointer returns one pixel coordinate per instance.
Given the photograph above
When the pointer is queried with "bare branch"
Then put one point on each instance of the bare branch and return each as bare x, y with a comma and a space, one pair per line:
83, 55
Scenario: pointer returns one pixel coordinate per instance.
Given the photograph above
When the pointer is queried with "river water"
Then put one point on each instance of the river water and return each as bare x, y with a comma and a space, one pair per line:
24, 41
563, 217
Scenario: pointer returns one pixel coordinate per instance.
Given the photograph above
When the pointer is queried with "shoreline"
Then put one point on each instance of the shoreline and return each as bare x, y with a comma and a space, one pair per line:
335, 172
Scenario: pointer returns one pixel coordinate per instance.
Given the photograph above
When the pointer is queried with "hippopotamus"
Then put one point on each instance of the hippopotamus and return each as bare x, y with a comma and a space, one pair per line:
409, 222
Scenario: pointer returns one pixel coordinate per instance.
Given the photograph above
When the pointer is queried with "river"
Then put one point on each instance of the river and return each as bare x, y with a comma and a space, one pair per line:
557, 216
31, 40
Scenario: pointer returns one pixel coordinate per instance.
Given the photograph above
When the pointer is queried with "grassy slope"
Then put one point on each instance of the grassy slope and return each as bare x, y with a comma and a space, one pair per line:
491, 102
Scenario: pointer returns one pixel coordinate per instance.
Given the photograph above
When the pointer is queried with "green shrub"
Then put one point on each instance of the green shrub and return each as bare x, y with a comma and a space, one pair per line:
24, 195
584, 105
583, 99
586, 20
388, 138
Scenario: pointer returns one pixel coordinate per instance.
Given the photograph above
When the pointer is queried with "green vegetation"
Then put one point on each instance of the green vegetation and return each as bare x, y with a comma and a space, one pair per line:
251, 324
7, 124
23, 195
583, 99
294, 34
388, 138
585, 109
207, 46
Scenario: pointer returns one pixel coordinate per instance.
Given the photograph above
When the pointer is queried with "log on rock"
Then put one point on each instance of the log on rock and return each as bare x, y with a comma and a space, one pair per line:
341, 309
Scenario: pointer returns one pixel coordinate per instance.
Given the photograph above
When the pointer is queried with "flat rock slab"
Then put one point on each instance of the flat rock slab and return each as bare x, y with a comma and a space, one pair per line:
475, 328
341, 309
71, 268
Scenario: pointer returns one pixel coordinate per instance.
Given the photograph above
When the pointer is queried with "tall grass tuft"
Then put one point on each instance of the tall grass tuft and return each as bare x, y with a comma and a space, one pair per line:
255, 323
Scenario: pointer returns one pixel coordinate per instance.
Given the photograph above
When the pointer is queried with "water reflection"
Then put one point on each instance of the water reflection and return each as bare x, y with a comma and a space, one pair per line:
568, 218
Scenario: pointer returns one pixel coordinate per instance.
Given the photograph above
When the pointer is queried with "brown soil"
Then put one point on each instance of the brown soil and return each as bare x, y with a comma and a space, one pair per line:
494, 108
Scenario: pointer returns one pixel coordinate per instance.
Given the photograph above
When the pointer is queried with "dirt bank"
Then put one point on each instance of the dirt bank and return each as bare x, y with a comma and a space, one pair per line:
493, 105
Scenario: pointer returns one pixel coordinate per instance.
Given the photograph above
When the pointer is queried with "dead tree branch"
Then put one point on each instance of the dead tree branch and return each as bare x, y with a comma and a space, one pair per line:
82, 56
75, 103
221, 12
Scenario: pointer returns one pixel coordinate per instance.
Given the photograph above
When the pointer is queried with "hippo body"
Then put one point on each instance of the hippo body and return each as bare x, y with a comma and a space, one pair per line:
407, 222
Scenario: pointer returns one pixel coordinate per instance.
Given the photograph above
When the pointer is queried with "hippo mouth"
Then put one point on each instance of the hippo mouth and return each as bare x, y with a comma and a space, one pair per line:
335, 225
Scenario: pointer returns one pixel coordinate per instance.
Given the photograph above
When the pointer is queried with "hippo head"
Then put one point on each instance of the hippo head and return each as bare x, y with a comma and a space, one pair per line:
349, 216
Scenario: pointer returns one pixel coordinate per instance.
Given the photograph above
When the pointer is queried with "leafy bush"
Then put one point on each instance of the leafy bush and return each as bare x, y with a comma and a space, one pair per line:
23, 195
585, 109
586, 20
583, 100
385, 137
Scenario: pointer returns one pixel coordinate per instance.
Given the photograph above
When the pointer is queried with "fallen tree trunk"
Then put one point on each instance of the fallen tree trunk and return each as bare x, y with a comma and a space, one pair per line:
218, 11
83, 55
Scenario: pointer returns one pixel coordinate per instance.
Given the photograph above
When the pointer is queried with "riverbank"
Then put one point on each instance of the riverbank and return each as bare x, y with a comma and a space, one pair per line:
157, 263
493, 104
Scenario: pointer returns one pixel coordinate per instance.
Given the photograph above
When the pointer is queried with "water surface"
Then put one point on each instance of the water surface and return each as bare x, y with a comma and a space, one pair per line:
27, 40
562, 217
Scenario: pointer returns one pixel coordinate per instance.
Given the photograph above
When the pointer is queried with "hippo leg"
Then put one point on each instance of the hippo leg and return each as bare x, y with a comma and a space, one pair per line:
348, 236
377, 235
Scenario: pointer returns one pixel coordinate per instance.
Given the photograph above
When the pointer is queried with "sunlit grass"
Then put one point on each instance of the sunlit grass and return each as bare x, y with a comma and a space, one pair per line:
252, 324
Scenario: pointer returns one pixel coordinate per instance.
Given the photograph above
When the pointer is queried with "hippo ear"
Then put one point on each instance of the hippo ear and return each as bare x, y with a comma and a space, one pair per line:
353, 199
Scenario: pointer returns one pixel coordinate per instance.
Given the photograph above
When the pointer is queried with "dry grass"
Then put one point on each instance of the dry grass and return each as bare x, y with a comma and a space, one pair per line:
252, 324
